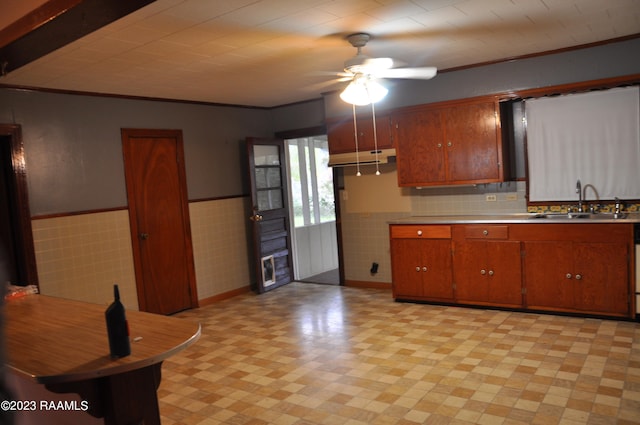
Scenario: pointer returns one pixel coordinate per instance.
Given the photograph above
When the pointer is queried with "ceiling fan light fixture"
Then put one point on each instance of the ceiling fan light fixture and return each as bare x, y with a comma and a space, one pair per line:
363, 91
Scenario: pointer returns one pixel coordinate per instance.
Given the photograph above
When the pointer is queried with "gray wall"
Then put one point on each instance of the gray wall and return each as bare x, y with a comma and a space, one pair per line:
73, 146
605, 61
298, 116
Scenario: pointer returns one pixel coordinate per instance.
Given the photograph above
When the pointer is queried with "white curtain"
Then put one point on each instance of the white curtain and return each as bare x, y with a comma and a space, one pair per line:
593, 137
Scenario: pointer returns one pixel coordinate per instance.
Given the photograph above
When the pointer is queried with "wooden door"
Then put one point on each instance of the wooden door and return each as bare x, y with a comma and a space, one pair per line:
419, 148
159, 220
472, 142
270, 215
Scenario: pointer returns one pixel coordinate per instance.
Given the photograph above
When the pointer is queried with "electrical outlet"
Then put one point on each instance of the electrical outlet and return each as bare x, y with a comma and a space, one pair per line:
512, 196
492, 198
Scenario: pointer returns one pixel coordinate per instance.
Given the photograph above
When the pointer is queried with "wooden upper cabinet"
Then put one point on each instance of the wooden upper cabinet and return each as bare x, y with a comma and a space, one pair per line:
420, 154
341, 134
449, 143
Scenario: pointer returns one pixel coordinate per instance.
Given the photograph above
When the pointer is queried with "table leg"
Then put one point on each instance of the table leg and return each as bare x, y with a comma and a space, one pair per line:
128, 398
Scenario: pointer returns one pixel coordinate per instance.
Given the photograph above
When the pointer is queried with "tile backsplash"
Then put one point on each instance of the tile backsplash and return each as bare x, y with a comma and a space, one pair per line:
366, 235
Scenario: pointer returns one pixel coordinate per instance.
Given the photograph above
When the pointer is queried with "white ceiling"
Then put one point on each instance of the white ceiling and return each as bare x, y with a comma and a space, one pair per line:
274, 52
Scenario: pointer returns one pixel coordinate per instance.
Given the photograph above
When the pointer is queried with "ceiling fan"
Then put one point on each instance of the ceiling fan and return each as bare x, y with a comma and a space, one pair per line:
363, 72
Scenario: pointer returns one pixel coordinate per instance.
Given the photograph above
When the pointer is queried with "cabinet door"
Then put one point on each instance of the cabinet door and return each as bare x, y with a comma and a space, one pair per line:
471, 139
418, 136
406, 260
488, 272
601, 277
469, 260
548, 275
421, 268
341, 135
437, 269
504, 271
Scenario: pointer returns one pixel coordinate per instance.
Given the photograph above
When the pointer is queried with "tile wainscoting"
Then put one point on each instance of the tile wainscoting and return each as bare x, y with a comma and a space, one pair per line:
81, 256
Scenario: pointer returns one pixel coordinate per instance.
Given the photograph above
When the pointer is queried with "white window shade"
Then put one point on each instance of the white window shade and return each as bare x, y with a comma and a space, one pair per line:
592, 137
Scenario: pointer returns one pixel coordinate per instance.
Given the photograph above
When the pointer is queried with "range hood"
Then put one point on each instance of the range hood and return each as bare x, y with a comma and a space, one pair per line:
364, 157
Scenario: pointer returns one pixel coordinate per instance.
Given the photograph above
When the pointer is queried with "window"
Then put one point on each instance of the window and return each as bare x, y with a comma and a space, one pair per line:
311, 181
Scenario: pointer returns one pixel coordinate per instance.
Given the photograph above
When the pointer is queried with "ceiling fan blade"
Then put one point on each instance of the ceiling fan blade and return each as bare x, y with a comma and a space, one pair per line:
423, 73
379, 63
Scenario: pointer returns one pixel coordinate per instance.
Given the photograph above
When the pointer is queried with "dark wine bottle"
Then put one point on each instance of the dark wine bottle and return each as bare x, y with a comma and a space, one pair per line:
117, 327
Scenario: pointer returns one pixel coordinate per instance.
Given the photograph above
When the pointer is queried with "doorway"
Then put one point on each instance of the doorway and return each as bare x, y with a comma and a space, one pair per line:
313, 215
159, 220
17, 253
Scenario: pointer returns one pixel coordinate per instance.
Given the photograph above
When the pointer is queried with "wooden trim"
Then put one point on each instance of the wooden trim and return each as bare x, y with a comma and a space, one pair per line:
53, 26
544, 53
24, 233
123, 208
129, 97
73, 213
35, 19
220, 198
224, 296
582, 86
367, 284
303, 132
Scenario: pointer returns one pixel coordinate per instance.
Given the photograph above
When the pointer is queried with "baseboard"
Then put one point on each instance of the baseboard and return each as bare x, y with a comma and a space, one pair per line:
367, 284
224, 296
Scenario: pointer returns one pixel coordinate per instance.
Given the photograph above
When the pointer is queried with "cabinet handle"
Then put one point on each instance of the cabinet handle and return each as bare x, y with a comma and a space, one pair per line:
485, 232
439, 145
424, 269
449, 144
419, 232
578, 276
490, 272
418, 268
483, 272
569, 276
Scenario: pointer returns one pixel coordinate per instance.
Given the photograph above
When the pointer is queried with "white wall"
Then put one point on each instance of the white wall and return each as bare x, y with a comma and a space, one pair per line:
317, 249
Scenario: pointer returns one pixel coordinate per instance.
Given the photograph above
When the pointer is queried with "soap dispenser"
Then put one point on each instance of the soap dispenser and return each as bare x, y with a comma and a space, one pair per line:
117, 327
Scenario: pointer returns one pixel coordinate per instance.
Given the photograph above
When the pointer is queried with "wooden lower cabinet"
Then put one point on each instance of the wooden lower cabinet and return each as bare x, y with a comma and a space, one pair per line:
573, 268
488, 273
421, 264
581, 277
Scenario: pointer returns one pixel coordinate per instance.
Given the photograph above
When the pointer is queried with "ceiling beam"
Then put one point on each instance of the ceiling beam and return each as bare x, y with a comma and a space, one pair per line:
55, 24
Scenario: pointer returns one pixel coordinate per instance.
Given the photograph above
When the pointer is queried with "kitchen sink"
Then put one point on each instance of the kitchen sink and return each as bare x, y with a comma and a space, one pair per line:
579, 216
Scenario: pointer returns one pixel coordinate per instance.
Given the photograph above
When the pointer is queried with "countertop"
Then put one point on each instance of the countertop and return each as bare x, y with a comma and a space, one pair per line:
528, 218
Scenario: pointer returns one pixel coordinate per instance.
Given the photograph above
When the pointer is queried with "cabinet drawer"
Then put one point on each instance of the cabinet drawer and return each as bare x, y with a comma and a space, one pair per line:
420, 232
486, 232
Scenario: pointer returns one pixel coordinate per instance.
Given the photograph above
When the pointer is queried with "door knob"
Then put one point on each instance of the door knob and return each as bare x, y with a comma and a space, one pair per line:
144, 236
256, 217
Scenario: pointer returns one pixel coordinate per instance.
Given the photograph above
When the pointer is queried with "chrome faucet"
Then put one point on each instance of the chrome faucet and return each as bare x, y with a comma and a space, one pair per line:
579, 192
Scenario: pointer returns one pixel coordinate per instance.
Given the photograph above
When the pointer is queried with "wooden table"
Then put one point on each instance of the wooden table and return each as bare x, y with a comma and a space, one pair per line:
63, 345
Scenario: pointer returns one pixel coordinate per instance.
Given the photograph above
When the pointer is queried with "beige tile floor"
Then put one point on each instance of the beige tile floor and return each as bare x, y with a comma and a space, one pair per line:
320, 354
